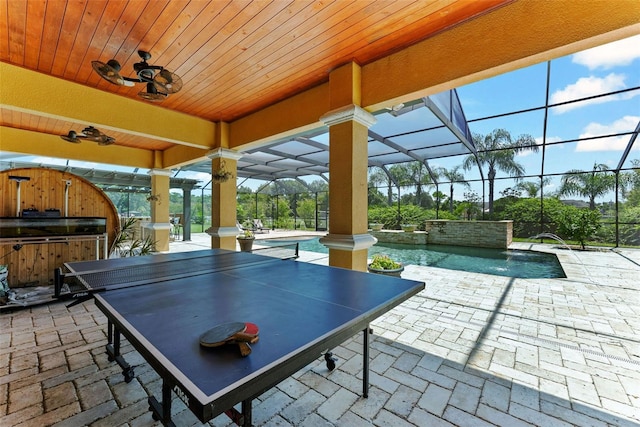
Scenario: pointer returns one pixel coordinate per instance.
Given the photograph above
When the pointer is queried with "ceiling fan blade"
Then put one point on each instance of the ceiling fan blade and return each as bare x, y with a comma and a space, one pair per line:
72, 136
106, 140
109, 71
152, 94
167, 81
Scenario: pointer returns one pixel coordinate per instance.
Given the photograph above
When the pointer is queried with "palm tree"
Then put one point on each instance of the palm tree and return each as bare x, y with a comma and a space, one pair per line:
591, 185
453, 175
630, 184
532, 188
378, 177
412, 174
498, 150
418, 176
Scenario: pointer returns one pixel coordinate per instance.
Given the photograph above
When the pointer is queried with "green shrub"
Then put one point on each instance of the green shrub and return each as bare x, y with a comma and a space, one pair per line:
409, 214
383, 262
525, 214
578, 224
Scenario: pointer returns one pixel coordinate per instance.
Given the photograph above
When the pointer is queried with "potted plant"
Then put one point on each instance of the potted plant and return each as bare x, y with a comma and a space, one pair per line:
409, 228
126, 245
382, 264
246, 240
376, 226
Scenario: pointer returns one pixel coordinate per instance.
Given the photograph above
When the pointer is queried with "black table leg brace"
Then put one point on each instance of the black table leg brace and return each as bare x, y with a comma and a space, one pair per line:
365, 362
113, 352
162, 411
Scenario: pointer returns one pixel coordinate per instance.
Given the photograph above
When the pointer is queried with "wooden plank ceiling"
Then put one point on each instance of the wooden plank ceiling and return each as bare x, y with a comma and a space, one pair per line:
234, 57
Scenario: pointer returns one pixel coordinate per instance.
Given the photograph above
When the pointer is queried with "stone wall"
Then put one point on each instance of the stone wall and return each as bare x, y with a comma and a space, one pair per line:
399, 236
486, 234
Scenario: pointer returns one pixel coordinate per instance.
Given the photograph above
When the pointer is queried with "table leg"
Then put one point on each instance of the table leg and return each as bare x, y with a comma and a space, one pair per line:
241, 418
109, 332
113, 352
161, 411
365, 363
246, 413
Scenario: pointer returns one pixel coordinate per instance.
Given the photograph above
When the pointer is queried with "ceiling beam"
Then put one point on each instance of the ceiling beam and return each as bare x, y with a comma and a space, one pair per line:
42, 144
28, 91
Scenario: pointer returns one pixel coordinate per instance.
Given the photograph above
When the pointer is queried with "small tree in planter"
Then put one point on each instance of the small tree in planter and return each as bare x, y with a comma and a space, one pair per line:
246, 240
382, 264
124, 245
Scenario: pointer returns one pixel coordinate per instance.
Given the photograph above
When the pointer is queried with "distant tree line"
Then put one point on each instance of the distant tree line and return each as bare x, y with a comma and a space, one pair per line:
406, 193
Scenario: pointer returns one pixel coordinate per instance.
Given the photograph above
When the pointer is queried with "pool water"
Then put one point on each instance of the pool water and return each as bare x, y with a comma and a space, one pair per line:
500, 262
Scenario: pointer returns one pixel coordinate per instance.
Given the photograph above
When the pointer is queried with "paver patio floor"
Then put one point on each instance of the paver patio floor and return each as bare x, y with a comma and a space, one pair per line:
470, 350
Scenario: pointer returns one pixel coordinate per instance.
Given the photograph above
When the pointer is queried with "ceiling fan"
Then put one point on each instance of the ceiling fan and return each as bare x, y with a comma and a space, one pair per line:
90, 134
160, 82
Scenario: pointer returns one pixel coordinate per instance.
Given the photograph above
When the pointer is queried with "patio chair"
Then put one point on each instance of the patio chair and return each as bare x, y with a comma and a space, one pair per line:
176, 227
258, 227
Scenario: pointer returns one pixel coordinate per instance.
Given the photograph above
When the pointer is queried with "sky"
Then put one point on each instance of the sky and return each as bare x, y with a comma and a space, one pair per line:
607, 68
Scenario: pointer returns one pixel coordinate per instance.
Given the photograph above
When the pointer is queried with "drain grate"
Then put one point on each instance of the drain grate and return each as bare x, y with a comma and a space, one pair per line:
574, 347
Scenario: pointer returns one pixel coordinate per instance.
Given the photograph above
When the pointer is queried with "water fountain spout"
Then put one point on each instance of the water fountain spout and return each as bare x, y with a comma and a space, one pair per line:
564, 244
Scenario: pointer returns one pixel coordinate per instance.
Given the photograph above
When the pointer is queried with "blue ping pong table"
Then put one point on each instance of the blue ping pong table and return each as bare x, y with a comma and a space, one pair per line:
163, 303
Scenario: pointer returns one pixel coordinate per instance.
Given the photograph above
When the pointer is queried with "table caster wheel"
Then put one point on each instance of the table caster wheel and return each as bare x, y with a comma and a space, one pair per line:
128, 375
154, 415
331, 361
111, 358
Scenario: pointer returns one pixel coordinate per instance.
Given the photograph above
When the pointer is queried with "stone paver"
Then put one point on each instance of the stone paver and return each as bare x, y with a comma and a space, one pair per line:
471, 349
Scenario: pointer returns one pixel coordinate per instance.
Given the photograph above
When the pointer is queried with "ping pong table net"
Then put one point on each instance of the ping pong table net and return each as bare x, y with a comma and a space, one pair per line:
82, 285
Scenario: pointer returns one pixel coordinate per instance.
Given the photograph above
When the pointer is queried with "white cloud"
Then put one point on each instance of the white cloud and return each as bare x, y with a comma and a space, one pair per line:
614, 143
199, 176
590, 86
619, 53
550, 139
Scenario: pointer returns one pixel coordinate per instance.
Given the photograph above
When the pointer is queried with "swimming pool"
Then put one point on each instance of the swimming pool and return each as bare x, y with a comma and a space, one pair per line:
500, 262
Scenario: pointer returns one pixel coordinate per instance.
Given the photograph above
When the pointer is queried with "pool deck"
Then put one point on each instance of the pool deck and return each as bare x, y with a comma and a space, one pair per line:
470, 350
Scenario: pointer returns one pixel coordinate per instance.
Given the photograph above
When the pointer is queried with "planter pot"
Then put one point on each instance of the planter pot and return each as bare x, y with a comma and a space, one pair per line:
376, 227
394, 272
409, 228
246, 244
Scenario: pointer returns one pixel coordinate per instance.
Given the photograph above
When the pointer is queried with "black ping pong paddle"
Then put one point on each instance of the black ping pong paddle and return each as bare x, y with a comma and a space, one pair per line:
231, 333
